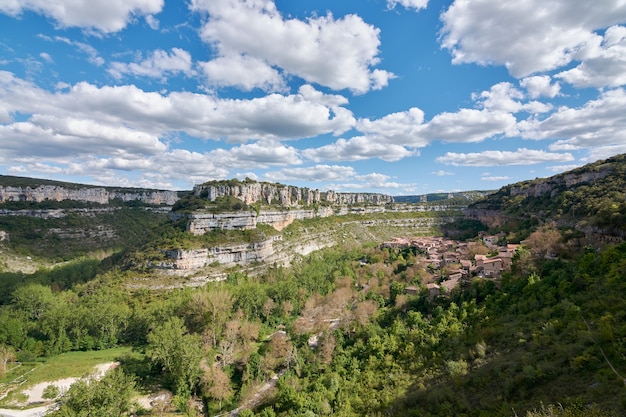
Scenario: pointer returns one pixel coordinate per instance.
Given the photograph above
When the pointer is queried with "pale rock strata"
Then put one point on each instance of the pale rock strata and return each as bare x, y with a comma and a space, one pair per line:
99, 195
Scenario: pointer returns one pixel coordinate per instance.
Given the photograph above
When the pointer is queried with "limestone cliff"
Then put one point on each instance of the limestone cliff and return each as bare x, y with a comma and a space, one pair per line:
284, 195
348, 199
265, 193
100, 195
199, 223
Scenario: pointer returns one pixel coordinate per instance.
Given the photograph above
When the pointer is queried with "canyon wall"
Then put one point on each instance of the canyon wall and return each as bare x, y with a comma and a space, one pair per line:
285, 195
99, 195
199, 223
239, 254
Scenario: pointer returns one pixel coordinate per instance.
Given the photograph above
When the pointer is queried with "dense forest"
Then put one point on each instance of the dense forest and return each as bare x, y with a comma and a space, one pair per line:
351, 330
345, 337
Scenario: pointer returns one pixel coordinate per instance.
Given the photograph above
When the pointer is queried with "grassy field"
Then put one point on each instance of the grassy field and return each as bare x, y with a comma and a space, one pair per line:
67, 365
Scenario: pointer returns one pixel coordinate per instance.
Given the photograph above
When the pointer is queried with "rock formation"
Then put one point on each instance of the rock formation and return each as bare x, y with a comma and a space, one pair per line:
285, 195
99, 195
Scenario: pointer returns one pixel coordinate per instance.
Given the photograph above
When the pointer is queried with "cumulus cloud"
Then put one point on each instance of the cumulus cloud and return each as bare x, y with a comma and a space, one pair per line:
404, 128
316, 173
356, 149
492, 158
504, 97
540, 86
598, 123
604, 62
273, 117
470, 125
159, 64
370, 181
244, 72
337, 53
103, 16
262, 154
464, 126
525, 36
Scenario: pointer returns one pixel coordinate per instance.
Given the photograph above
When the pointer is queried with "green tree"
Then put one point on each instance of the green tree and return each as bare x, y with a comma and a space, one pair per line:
178, 354
109, 397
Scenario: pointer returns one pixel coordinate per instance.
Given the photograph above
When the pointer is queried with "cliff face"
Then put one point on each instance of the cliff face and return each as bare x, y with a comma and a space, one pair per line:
242, 254
200, 223
265, 193
347, 199
285, 195
85, 194
556, 184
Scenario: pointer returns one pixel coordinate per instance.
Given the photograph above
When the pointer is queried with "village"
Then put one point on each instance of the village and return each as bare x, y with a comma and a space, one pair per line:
451, 262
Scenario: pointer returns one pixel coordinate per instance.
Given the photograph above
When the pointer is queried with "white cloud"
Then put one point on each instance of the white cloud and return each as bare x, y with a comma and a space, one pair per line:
153, 22
469, 125
604, 64
504, 97
244, 72
262, 154
64, 138
159, 64
442, 173
540, 86
495, 178
101, 15
402, 128
92, 54
273, 117
316, 173
46, 57
525, 36
491, 158
337, 53
358, 148
598, 123
370, 181
408, 4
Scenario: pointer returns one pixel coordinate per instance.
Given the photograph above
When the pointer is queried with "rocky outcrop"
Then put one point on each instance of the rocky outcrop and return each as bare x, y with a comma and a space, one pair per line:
285, 195
490, 218
99, 195
200, 223
556, 184
240, 254
349, 199
265, 193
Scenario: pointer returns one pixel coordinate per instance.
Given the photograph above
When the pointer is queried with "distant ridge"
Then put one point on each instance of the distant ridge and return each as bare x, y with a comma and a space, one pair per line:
433, 197
15, 181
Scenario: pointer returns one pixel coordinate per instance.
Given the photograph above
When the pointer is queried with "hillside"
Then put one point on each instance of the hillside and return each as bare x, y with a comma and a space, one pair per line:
325, 316
590, 200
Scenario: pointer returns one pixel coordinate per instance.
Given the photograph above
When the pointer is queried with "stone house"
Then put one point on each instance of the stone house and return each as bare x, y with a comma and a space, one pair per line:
492, 267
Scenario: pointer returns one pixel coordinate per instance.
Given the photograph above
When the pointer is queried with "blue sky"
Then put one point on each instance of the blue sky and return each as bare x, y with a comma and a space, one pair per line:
398, 97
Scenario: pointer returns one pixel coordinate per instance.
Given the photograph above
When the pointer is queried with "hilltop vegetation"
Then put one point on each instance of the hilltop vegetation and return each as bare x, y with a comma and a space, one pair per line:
588, 199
